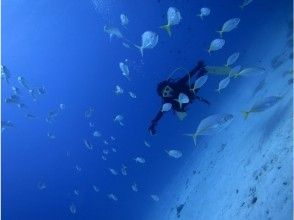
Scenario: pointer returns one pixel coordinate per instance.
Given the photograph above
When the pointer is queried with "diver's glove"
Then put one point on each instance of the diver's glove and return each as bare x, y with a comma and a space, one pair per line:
200, 65
151, 129
200, 68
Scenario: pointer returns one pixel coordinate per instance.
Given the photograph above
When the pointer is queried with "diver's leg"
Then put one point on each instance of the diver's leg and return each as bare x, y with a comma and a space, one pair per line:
218, 70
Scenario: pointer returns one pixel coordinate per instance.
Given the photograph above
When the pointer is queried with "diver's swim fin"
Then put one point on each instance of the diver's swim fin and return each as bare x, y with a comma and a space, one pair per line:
181, 115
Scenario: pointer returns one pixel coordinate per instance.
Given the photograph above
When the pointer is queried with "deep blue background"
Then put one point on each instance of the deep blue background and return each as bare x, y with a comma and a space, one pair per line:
61, 45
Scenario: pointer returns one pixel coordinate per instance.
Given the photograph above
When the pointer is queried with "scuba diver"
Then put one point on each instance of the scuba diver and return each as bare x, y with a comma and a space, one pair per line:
177, 94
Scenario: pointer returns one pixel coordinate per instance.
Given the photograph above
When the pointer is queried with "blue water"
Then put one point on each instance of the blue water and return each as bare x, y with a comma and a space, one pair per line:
62, 45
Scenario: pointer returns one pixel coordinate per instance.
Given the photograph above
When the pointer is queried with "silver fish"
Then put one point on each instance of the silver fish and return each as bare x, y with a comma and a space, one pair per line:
263, 105
5, 73
174, 153
149, 40
229, 25
5, 125
212, 125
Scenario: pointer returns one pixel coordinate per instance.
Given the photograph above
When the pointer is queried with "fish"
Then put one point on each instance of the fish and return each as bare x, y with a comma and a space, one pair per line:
103, 157
119, 119
88, 144
249, 71
112, 197
173, 18
134, 187
76, 192
147, 144
112, 138
5, 73
245, 3
105, 142
13, 99
223, 84
174, 153
199, 83
125, 70
73, 208
78, 168
41, 90
23, 82
262, 105
154, 197
232, 59
34, 93
182, 99
124, 170
95, 188
6, 124
113, 172
118, 90
89, 112
216, 44
96, 134
52, 116
126, 45
132, 95
124, 20
91, 124
113, 150
41, 185
51, 136
229, 25
15, 90
149, 40
212, 125
260, 85
204, 12
112, 31
22, 106
140, 160
61, 107
105, 152
166, 107
29, 115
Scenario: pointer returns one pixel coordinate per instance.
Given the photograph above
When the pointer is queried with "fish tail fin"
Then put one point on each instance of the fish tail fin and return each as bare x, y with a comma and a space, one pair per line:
167, 29
245, 114
121, 124
209, 51
140, 48
220, 33
194, 136
218, 91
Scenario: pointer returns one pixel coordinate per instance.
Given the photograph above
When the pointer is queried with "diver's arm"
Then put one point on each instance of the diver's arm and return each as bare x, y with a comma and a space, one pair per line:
154, 122
199, 69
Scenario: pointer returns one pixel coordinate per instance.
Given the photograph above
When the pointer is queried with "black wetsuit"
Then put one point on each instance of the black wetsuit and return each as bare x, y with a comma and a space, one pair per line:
180, 86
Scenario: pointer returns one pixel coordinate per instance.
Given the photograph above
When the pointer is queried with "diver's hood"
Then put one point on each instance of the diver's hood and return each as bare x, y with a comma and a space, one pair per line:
167, 92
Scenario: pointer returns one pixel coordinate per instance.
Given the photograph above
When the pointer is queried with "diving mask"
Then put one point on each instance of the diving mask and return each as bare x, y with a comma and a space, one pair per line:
167, 91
